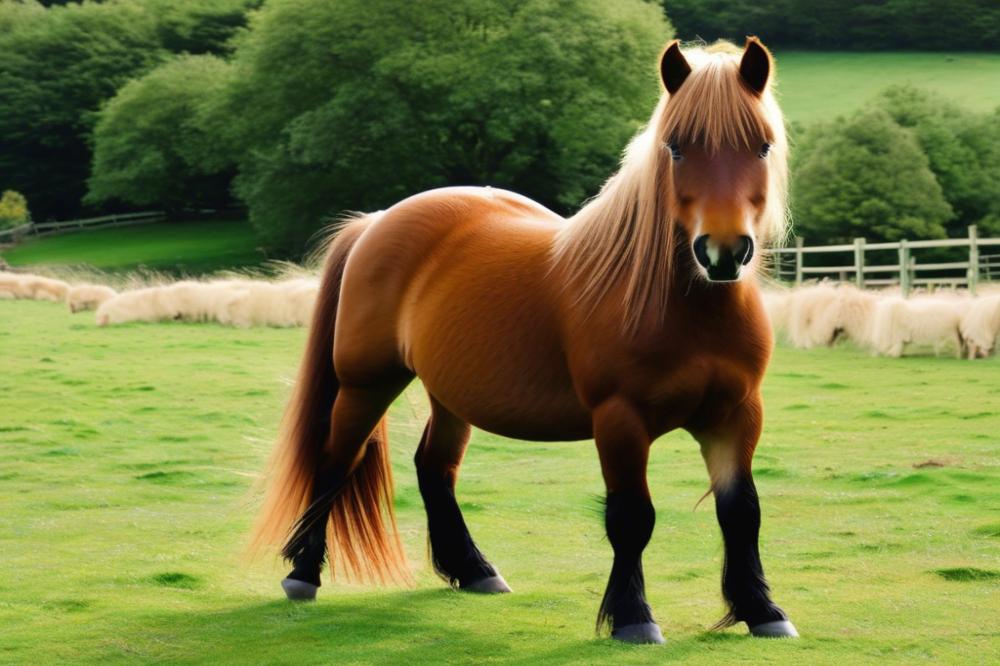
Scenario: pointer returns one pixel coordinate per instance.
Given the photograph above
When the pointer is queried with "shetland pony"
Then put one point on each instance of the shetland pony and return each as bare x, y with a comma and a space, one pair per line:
638, 315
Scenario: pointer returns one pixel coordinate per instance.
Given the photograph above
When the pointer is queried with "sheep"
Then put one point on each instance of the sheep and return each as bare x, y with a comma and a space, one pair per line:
980, 326
37, 287
853, 313
928, 320
281, 304
812, 316
147, 304
82, 297
233, 302
776, 303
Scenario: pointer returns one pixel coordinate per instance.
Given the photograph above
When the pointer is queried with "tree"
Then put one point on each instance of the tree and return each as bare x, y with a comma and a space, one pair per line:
962, 148
865, 176
13, 209
392, 97
56, 67
59, 64
149, 146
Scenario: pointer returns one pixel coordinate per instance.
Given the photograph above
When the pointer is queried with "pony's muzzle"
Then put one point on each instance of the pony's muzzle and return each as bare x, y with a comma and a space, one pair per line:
723, 261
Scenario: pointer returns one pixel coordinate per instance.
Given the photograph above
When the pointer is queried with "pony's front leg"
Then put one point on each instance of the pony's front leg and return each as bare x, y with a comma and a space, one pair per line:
728, 449
623, 445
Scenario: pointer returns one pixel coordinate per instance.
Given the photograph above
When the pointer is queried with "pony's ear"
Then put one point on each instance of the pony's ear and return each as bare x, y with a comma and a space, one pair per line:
673, 67
755, 66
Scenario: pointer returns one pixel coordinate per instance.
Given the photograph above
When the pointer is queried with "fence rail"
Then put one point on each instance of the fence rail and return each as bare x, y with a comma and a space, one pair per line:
906, 267
50, 228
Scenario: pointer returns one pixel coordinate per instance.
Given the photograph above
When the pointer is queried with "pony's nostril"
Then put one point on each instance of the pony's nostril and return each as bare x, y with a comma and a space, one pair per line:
701, 250
744, 250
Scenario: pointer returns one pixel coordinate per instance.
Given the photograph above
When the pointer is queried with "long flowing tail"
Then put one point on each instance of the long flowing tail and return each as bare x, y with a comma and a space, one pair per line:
361, 535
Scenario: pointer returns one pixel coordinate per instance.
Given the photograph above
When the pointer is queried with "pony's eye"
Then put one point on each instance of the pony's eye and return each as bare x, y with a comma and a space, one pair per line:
675, 152
764, 150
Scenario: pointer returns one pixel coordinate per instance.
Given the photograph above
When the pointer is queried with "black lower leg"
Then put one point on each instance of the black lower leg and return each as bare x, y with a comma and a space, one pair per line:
743, 584
306, 547
629, 522
455, 555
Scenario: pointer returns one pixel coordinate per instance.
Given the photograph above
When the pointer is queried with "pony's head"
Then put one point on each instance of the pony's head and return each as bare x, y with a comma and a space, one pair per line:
724, 141
709, 169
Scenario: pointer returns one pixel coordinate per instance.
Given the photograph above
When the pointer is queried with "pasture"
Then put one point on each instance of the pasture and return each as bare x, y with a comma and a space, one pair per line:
176, 247
815, 86
127, 456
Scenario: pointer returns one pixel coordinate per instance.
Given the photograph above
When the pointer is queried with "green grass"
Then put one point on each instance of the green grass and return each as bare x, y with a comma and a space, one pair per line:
127, 456
816, 86
173, 247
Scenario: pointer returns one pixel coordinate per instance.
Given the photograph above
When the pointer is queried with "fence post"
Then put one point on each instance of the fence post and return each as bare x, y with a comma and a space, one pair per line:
799, 242
859, 262
973, 259
904, 267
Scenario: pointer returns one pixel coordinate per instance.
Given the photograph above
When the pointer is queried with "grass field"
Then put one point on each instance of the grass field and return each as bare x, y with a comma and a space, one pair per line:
816, 86
175, 247
127, 456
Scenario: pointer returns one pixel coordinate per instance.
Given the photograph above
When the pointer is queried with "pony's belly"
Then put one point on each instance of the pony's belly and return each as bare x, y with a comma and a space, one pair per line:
526, 415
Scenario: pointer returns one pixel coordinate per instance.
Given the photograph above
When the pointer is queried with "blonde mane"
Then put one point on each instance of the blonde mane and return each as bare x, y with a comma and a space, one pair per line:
625, 235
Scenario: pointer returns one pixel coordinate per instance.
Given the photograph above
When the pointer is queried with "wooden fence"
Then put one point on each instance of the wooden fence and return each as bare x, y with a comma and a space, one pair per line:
902, 267
51, 228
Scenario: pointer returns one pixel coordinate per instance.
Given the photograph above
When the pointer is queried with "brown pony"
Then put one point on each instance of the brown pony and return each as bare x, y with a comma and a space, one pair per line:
638, 315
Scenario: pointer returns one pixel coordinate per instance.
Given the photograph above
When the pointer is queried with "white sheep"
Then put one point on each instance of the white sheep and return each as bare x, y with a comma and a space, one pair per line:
82, 297
980, 325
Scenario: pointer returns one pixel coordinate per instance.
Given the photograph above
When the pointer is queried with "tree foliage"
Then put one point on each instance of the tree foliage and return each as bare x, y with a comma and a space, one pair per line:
909, 165
149, 146
389, 98
13, 209
923, 25
963, 151
59, 64
865, 176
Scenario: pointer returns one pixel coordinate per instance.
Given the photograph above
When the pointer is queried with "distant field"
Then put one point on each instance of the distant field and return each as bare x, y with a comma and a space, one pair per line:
816, 86
127, 455
189, 247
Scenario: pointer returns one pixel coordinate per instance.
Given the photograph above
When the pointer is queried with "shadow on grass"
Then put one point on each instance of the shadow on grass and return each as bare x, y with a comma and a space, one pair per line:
415, 627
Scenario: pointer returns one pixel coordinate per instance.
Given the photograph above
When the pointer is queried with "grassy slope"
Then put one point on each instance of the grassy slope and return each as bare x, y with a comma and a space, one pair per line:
126, 456
177, 246
818, 86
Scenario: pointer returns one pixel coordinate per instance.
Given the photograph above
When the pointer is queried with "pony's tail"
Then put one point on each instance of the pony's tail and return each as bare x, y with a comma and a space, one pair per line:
361, 534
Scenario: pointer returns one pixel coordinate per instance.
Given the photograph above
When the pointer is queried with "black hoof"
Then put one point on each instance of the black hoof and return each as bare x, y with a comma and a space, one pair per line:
647, 632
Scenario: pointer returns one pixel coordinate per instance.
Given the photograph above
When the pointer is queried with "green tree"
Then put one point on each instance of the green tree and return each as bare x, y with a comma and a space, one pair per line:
962, 148
59, 64
13, 209
356, 104
149, 146
56, 67
865, 176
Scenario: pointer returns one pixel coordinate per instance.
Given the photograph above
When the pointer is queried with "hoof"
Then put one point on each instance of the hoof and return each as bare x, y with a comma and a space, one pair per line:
492, 585
298, 590
776, 629
647, 632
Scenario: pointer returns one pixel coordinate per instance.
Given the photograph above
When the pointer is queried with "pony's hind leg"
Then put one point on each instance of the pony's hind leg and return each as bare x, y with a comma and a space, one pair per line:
623, 446
728, 449
353, 435
455, 555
